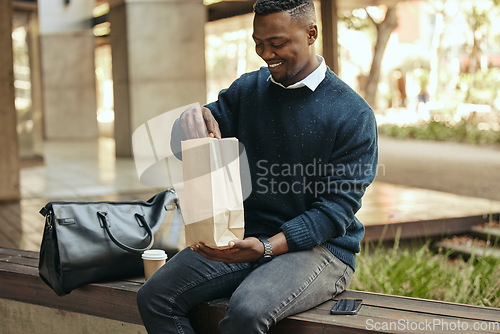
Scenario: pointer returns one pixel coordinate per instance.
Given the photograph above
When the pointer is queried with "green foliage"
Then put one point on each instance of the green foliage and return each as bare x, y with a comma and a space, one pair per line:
440, 131
481, 87
410, 63
360, 21
421, 273
356, 22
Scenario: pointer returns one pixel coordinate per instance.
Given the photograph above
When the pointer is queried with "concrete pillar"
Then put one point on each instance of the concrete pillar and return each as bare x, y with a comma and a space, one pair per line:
28, 87
158, 61
68, 72
9, 151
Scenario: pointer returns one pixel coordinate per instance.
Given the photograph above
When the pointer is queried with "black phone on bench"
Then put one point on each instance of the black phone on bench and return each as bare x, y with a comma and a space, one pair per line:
346, 306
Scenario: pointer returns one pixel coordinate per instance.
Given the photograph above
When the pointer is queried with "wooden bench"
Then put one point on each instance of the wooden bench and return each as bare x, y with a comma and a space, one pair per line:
19, 281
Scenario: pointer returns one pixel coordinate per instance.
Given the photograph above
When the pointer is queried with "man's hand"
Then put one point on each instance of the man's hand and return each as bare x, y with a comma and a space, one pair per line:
247, 250
198, 123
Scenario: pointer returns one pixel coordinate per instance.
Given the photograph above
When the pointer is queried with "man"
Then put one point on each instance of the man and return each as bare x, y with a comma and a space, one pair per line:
311, 143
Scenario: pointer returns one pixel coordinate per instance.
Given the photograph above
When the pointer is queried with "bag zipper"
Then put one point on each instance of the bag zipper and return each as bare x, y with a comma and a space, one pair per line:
48, 207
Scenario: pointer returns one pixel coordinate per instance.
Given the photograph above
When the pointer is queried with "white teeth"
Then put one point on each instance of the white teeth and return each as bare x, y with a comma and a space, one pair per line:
274, 65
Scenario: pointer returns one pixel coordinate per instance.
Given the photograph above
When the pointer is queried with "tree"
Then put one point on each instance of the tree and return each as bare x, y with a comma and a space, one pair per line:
384, 28
443, 19
384, 31
479, 25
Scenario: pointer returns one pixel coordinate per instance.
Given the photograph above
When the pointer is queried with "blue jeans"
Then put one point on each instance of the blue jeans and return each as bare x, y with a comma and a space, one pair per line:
260, 295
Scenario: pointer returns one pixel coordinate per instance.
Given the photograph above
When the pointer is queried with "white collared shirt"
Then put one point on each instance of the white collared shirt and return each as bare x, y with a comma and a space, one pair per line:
312, 81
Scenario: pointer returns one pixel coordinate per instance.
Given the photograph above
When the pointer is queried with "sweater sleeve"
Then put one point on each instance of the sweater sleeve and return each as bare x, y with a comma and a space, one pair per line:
352, 167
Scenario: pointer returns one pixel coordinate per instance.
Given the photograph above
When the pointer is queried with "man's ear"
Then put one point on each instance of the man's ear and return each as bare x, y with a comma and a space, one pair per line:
313, 34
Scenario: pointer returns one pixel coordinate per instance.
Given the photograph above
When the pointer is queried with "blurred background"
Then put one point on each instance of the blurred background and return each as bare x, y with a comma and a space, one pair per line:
78, 77
92, 71
433, 61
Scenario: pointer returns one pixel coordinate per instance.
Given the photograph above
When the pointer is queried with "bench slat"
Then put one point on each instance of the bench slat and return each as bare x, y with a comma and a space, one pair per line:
116, 300
18, 252
425, 305
19, 280
25, 261
319, 318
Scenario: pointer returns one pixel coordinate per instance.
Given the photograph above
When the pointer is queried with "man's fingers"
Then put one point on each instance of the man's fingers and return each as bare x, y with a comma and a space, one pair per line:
211, 123
212, 254
198, 123
244, 244
188, 124
193, 124
213, 130
200, 126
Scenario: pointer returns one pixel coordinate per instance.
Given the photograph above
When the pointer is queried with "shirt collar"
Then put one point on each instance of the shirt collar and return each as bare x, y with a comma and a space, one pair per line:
312, 81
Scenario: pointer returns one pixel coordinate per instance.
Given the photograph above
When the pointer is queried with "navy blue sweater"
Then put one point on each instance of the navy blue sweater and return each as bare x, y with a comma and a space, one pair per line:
311, 156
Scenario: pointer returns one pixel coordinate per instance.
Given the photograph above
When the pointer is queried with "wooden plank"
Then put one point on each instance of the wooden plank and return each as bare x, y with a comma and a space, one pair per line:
6, 267
29, 267
318, 320
292, 326
10, 225
423, 228
6, 242
486, 233
10, 212
18, 252
10, 240
31, 7
225, 9
309, 324
24, 261
199, 317
10, 216
466, 251
370, 315
31, 221
427, 306
329, 19
23, 284
116, 300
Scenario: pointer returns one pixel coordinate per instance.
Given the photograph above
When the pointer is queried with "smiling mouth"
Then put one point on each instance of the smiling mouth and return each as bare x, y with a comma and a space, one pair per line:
275, 65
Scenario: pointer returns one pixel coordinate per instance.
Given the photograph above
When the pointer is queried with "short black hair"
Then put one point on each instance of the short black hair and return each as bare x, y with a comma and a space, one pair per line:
299, 10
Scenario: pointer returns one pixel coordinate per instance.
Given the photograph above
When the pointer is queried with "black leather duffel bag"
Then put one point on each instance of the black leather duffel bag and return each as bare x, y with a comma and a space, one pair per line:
86, 242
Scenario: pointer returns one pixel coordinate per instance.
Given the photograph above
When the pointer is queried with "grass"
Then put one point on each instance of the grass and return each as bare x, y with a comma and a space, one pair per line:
422, 273
441, 131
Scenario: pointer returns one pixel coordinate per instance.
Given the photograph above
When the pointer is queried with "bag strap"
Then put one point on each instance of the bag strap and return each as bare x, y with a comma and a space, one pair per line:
103, 216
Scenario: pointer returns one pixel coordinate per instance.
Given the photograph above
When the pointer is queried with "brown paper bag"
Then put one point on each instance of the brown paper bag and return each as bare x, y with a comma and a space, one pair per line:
213, 200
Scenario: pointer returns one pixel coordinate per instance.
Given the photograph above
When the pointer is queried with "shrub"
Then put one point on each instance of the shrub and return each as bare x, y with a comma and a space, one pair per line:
441, 131
421, 273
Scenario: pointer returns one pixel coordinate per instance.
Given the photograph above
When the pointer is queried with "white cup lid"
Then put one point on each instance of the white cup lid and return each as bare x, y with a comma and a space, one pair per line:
154, 254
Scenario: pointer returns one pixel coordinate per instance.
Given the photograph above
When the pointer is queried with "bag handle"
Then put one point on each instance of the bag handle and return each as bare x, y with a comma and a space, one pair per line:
103, 216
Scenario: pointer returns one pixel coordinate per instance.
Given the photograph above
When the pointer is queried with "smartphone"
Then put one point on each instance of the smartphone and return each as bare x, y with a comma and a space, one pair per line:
346, 306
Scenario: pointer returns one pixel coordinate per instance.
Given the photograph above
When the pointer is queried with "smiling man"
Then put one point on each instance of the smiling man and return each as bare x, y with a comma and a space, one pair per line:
289, 53
311, 143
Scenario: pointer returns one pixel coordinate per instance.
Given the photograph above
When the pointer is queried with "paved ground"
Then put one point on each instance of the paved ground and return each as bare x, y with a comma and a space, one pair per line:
450, 167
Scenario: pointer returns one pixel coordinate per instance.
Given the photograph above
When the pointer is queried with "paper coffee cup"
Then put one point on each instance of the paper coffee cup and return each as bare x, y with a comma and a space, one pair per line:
153, 259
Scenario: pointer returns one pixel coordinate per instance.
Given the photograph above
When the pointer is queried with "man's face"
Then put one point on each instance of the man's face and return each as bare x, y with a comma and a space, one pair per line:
286, 46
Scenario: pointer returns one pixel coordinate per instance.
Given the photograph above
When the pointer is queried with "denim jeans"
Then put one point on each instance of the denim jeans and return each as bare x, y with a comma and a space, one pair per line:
260, 295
